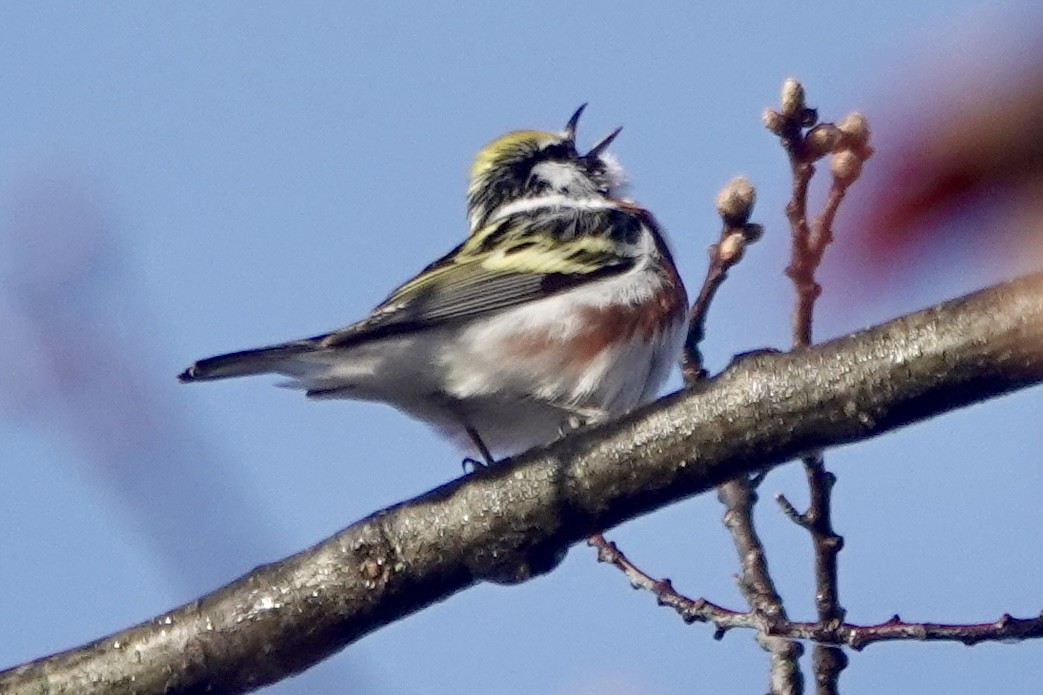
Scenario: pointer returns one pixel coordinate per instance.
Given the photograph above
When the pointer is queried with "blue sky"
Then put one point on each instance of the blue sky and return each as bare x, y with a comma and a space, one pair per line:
183, 179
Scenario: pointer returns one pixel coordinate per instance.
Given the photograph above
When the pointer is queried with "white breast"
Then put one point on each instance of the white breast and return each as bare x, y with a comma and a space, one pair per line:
524, 350
514, 376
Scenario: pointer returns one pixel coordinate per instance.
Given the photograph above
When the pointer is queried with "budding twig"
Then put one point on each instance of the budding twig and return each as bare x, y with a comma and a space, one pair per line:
857, 637
734, 205
805, 141
848, 141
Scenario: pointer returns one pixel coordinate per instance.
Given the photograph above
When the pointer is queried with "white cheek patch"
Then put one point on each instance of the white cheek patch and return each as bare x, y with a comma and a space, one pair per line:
562, 177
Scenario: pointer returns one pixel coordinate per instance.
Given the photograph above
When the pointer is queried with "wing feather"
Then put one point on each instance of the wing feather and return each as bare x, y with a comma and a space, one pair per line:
510, 262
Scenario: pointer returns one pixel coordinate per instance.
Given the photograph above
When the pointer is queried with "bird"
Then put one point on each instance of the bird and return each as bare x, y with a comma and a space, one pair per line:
561, 308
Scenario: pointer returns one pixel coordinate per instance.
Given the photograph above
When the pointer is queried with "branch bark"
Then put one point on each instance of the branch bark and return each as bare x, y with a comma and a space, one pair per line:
512, 521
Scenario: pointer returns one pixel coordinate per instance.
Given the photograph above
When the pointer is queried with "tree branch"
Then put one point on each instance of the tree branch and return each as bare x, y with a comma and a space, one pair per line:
858, 637
512, 521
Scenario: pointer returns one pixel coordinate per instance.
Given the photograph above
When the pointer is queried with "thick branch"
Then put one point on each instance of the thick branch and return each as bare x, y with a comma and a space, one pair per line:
511, 521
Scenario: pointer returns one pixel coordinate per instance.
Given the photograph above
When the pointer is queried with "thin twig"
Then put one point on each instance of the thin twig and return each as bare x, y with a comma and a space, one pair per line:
690, 610
692, 368
801, 268
739, 495
857, 637
827, 662
850, 140
734, 205
758, 587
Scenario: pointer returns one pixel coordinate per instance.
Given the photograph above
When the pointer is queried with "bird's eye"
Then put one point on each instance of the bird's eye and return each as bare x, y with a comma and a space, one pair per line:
536, 184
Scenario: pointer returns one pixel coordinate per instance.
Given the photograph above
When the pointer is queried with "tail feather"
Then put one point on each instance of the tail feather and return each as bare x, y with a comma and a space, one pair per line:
263, 360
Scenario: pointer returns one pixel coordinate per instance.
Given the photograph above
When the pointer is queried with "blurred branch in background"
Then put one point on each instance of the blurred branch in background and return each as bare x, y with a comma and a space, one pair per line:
86, 338
82, 338
966, 169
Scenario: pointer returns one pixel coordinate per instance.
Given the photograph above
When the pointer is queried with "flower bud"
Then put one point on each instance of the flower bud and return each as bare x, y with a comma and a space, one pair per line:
821, 140
735, 201
773, 121
855, 128
731, 248
792, 99
845, 167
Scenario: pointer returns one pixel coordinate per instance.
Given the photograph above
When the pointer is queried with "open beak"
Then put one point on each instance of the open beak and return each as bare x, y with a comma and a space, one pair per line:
597, 150
570, 127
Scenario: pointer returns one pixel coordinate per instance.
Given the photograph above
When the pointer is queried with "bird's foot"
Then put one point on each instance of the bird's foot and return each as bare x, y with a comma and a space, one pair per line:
473, 464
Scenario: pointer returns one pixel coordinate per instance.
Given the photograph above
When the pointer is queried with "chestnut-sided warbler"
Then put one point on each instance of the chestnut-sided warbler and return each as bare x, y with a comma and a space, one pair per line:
562, 306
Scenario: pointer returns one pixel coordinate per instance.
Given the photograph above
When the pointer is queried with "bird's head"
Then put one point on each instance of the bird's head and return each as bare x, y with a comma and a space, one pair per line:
532, 163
